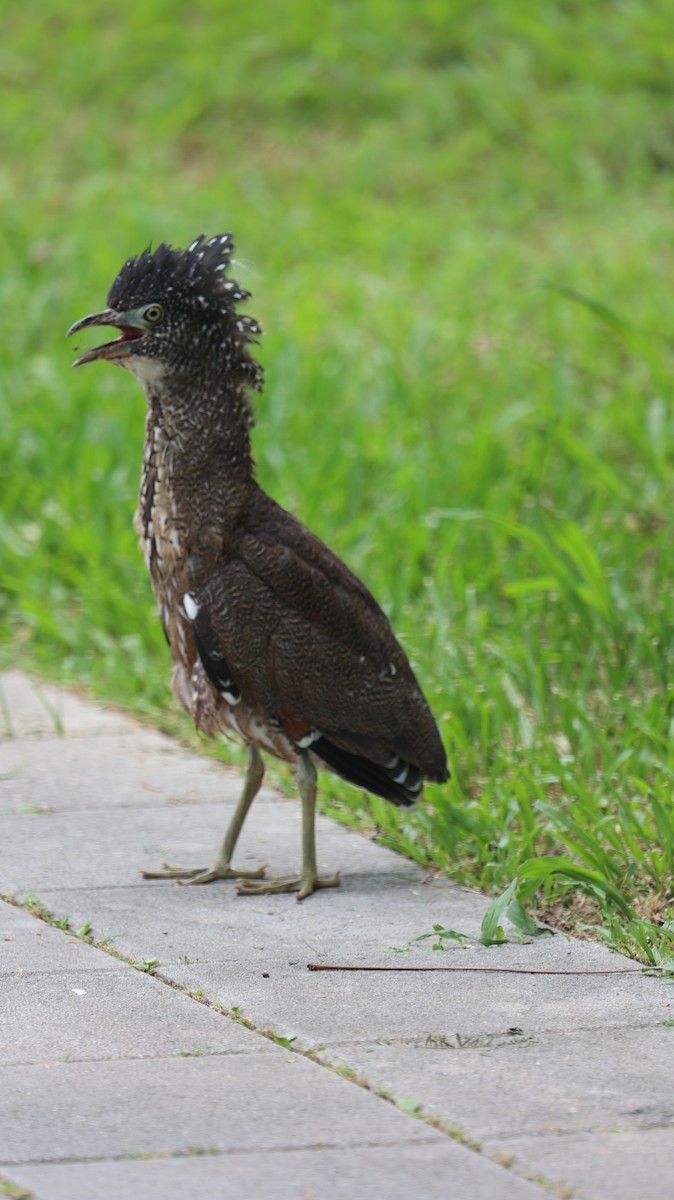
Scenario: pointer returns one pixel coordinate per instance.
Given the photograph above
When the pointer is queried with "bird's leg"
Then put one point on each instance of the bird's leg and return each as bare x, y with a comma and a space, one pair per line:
309, 880
221, 868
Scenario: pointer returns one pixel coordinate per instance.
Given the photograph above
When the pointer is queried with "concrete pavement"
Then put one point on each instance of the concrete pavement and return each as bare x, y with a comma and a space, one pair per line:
231, 1069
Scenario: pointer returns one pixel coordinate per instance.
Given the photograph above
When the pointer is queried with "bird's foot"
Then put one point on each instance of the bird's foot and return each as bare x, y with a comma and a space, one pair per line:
189, 875
304, 885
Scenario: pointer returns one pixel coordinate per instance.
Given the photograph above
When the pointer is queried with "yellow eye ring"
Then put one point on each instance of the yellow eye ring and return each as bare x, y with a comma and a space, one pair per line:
153, 313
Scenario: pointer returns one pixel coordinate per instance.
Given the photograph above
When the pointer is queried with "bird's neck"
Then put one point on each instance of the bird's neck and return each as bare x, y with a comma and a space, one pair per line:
206, 440
197, 473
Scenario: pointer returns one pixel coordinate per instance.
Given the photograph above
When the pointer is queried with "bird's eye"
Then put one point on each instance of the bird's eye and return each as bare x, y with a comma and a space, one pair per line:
153, 313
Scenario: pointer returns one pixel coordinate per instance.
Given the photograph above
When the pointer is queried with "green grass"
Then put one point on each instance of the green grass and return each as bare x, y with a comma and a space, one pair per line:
456, 221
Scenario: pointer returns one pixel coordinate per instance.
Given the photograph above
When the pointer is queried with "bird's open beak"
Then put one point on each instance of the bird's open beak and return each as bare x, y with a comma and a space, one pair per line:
130, 331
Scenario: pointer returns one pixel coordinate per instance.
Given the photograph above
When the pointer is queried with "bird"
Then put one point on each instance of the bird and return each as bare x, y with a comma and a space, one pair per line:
272, 637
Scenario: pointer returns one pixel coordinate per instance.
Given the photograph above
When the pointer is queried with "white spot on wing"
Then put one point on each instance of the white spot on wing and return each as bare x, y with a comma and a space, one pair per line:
190, 605
312, 736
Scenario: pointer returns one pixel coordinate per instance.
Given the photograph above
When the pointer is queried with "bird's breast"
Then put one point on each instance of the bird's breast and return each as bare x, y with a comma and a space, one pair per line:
162, 525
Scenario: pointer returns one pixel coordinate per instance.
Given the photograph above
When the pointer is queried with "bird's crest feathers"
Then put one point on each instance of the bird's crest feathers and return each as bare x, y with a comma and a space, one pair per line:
201, 271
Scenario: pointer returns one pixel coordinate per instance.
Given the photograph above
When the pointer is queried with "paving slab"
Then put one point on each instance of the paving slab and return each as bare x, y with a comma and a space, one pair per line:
550, 1083
234, 1103
106, 846
622, 1164
29, 707
525, 1064
110, 1014
409, 1006
445, 1171
62, 774
27, 945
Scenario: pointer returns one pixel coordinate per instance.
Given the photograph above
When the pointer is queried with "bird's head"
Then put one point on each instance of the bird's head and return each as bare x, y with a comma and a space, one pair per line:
176, 313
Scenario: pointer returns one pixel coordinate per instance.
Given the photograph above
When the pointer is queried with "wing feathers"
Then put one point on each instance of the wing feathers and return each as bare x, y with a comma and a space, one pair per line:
284, 623
210, 651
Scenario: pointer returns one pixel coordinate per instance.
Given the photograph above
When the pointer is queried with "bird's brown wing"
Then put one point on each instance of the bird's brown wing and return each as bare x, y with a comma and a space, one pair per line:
284, 621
